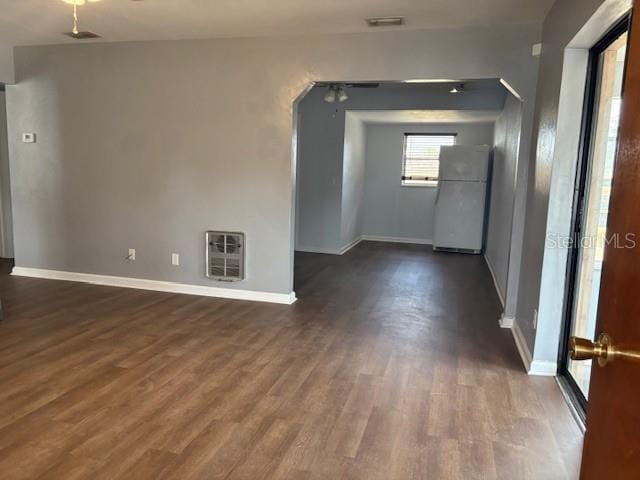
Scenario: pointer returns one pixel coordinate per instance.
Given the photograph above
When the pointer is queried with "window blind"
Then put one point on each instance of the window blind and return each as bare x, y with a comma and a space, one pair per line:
421, 162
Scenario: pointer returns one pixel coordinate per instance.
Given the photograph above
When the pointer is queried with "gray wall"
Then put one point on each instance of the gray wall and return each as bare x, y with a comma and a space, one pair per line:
503, 183
322, 139
6, 222
562, 24
353, 180
393, 210
563, 173
148, 144
6, 64
319, 174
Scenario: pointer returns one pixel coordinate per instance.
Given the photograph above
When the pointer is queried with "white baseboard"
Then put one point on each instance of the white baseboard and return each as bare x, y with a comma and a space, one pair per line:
533, 367
492, 271
370, 238
415, 241
350, 245
326, 251
543, 369
330, 251
156, 285
506, 322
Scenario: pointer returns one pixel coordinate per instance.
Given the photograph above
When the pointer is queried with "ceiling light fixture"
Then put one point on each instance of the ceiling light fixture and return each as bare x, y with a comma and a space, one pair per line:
75, 32
457, 89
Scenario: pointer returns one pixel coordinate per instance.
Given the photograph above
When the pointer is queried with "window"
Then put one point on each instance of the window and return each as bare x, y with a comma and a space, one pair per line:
421, 162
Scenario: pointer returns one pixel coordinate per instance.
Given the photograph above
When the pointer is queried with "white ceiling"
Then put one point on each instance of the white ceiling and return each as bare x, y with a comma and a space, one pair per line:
405, 117
24, 22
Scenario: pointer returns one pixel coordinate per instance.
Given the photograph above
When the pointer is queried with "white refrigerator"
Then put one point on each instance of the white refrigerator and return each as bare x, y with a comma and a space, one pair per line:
459, 217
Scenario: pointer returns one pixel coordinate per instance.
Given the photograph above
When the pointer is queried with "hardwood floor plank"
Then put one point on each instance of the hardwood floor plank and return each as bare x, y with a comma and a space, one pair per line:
391, 365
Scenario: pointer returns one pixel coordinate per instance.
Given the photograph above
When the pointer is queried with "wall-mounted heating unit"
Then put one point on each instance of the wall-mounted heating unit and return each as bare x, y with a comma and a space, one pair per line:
225, 255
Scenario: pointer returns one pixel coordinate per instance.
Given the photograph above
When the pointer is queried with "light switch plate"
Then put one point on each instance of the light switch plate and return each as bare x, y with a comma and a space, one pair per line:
175, 259
28, 138
536, 50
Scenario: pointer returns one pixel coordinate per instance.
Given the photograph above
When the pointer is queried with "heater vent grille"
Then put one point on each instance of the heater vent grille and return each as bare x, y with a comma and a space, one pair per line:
225, 255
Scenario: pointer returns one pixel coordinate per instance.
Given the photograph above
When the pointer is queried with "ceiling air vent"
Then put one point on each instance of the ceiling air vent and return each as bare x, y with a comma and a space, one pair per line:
225, 255
82, 35
385, 21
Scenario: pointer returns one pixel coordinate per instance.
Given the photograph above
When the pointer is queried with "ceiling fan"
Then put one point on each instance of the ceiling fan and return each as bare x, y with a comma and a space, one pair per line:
75, 32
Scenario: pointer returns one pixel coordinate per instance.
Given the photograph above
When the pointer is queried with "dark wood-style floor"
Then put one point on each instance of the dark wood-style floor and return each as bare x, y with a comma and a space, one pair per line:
390, 366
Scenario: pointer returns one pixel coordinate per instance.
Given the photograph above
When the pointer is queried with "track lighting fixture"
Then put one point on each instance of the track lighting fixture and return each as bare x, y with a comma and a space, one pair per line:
457, 89
330, 95
336, 92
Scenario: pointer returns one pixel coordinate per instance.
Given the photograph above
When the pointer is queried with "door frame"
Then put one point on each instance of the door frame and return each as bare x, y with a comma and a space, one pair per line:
570, 387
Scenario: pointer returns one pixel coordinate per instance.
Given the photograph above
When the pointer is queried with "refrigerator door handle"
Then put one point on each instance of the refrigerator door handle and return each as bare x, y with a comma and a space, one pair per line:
437, 193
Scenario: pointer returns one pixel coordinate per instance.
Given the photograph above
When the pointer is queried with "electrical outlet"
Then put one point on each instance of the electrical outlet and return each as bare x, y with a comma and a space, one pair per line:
28, 138
536, 49
175, 259
535, 318
132, 254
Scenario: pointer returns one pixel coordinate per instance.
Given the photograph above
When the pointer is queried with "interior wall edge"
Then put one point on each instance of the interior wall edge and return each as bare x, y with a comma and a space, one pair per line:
496, 285
566, 19
560, 206
7, 69
521, 346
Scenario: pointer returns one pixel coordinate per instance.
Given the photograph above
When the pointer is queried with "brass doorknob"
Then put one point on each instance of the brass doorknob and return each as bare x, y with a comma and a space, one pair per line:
601, 350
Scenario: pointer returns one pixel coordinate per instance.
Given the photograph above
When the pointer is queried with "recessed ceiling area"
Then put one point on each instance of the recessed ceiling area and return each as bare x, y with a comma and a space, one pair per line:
28, 22
406, 117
